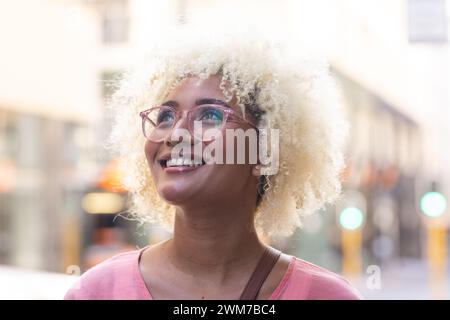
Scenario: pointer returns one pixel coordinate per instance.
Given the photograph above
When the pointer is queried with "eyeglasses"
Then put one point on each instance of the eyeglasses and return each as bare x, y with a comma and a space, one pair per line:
158, 122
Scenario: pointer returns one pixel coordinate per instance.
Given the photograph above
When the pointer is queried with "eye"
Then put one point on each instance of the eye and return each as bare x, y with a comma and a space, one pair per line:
165, 116
211, 114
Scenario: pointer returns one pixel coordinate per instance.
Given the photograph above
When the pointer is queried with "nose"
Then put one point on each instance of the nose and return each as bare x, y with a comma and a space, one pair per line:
179, 132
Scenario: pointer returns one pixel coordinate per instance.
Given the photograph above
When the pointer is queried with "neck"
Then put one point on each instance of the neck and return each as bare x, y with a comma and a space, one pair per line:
215, 241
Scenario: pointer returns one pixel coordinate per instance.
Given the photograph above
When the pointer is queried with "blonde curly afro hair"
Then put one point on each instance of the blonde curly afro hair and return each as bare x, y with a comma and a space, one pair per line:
294, 92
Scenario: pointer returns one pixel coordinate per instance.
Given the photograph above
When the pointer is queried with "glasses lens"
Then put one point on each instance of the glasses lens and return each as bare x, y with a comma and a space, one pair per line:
158, 123
209, 117
162, 117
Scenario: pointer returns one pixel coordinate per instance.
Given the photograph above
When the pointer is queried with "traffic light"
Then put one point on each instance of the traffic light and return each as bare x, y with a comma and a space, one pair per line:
351, 218
433, 204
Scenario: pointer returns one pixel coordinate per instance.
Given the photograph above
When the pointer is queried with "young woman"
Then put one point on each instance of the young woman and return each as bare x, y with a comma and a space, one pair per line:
221, 210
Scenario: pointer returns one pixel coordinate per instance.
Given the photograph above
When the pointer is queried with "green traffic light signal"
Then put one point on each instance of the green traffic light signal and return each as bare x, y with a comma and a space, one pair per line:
351, 218
433, 204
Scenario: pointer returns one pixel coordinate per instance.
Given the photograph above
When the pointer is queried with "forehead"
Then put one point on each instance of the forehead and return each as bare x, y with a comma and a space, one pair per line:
195, 87
191, 89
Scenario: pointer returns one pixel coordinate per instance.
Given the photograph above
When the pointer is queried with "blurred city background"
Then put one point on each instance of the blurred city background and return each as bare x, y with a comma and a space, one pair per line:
60, 190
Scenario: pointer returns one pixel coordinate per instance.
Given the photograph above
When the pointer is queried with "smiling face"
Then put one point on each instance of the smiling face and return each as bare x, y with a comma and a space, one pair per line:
207, 184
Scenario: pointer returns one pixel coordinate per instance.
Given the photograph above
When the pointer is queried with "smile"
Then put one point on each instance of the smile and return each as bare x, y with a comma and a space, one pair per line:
180, 164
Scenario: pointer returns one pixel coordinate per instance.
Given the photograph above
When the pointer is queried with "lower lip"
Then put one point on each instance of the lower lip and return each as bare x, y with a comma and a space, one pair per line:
180, 169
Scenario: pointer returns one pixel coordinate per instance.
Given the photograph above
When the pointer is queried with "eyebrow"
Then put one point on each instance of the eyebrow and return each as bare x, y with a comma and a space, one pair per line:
198, 102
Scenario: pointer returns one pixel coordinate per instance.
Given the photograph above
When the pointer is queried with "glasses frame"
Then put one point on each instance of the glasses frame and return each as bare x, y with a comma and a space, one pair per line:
230, 115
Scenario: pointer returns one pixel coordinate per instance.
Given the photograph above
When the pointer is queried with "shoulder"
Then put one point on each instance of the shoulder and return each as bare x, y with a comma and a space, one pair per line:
100, 281
309, 281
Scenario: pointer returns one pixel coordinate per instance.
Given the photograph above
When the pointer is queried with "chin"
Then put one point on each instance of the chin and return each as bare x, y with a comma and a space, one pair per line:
175, 195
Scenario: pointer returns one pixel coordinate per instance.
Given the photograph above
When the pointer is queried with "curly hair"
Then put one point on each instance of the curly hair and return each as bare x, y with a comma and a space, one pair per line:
293, 92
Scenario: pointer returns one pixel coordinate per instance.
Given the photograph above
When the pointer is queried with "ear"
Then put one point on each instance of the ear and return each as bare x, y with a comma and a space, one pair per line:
256, 171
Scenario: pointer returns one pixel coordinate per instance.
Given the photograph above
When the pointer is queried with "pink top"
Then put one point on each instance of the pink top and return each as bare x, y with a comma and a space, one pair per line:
119, 277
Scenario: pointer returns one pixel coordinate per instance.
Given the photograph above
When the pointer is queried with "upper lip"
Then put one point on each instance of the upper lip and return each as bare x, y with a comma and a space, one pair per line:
166, 156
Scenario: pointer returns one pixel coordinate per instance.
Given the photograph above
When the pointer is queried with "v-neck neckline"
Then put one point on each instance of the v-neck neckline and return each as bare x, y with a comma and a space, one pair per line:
147, 292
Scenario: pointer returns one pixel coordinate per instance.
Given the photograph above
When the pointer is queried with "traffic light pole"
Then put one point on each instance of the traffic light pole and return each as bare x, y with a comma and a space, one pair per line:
351, 252
433, 205
437, 257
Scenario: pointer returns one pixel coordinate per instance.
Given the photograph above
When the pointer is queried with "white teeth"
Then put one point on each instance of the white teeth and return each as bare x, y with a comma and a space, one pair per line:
182, 162
171, 162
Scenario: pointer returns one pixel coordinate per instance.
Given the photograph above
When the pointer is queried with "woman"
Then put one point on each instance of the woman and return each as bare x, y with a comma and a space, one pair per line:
220, 211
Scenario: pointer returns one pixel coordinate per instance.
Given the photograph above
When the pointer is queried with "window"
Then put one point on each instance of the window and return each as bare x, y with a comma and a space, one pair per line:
115, 21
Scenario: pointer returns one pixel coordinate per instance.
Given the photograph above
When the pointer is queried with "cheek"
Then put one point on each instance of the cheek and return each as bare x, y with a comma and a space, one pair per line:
150, 149
242, 150
232, 181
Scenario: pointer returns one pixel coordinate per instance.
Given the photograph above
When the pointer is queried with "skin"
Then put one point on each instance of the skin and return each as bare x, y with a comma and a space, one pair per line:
214, 248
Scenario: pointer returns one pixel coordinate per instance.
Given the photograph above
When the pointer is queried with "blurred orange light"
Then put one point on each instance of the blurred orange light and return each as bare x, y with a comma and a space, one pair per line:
111, 178
103, 203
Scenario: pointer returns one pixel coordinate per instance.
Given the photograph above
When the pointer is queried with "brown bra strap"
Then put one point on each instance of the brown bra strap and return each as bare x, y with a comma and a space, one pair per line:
262, 270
